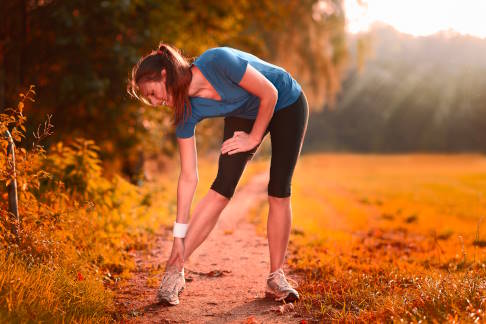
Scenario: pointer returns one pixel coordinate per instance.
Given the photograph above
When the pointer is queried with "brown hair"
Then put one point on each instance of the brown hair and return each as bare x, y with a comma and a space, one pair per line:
178, 77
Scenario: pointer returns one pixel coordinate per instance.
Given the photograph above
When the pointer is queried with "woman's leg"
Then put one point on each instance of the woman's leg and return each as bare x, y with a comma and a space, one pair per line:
201, 224
287, 130
278, 229
230, 169
203, 220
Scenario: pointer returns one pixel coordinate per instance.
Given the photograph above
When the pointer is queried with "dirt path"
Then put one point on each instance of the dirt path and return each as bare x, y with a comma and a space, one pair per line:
225, 276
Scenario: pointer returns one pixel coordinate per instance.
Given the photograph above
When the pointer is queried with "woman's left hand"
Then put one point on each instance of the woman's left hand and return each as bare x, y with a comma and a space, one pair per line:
240, 142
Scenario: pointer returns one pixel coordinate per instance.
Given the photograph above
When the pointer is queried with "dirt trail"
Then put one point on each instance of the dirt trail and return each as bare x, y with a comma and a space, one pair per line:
238, 260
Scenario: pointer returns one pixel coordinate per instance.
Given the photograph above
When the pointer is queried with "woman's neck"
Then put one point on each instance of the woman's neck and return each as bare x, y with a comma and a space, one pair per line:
196, 86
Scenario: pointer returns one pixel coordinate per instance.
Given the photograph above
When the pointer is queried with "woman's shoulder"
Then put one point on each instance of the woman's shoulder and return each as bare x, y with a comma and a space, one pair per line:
216, 53
218, 59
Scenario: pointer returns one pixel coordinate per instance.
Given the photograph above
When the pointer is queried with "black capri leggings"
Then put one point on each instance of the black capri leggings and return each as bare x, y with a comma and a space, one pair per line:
287, 130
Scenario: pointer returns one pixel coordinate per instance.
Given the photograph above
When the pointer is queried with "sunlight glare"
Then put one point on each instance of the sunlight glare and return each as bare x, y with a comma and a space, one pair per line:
418, 18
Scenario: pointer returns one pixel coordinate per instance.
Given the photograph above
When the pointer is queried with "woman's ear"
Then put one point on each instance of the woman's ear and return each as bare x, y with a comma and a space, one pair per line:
163, 73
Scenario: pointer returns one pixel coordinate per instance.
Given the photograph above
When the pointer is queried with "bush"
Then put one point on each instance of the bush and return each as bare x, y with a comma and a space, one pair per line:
75, 228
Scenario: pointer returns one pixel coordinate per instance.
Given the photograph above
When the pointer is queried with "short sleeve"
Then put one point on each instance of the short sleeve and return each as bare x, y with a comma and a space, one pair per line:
233, 66
186, 128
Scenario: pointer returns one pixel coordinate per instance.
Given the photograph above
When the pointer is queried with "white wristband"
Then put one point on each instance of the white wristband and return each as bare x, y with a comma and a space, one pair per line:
180, 229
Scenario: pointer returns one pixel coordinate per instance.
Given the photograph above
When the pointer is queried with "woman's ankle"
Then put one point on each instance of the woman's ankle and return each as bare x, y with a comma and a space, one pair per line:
174, 265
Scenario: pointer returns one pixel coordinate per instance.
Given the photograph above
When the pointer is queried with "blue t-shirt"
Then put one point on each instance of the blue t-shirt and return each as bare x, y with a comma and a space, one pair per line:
224, 68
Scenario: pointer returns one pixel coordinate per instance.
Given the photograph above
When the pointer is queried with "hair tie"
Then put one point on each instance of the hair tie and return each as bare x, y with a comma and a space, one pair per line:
160, 52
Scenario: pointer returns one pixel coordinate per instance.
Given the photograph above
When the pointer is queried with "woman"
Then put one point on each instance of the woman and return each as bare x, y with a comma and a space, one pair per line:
256, 98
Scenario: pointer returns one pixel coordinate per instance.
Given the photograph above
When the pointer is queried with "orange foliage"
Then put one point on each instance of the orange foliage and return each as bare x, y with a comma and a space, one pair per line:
384, 238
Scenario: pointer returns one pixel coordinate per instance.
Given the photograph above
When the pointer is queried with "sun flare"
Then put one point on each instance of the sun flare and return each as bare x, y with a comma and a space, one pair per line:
417, 17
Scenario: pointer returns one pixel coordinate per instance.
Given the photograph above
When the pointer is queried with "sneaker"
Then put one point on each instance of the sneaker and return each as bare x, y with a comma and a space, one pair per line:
279, 288
173, 283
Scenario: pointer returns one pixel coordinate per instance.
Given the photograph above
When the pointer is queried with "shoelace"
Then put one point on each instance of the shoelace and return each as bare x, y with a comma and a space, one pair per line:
283, 280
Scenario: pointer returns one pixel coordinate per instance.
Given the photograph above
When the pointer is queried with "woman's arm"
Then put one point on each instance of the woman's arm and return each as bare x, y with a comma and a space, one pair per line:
188, 178
186, 186
256, 83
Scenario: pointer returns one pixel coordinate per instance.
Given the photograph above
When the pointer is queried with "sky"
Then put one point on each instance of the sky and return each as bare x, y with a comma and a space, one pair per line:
419, 17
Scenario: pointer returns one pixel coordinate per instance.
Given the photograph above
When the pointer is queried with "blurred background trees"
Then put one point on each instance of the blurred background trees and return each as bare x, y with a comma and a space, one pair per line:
413, 94
79, 54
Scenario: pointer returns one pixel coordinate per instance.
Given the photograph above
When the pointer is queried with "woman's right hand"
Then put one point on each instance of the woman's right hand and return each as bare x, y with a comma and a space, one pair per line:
177, 255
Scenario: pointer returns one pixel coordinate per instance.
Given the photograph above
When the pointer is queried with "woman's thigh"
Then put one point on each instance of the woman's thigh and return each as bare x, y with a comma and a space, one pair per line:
231, 167
287, 131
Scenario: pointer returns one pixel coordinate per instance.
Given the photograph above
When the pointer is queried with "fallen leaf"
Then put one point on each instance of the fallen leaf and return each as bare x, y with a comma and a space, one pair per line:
251, 320
215, 273
212, 273
284, 308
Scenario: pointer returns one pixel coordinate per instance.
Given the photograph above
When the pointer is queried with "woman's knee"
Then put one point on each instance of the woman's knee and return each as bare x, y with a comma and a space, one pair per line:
221, 197
279, 184
224, 188
230, 170
278, 201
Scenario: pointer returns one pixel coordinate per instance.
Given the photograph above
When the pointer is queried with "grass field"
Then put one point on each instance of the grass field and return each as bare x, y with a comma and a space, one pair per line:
389, 237
375, 238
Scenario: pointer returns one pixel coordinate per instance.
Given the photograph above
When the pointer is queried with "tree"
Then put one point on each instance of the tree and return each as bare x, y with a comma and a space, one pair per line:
79, 55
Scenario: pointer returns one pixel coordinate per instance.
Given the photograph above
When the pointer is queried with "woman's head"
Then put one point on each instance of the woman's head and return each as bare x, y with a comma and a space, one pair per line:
162, 77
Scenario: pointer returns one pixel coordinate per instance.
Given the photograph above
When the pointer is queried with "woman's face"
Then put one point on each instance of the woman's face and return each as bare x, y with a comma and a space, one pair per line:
155, 92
